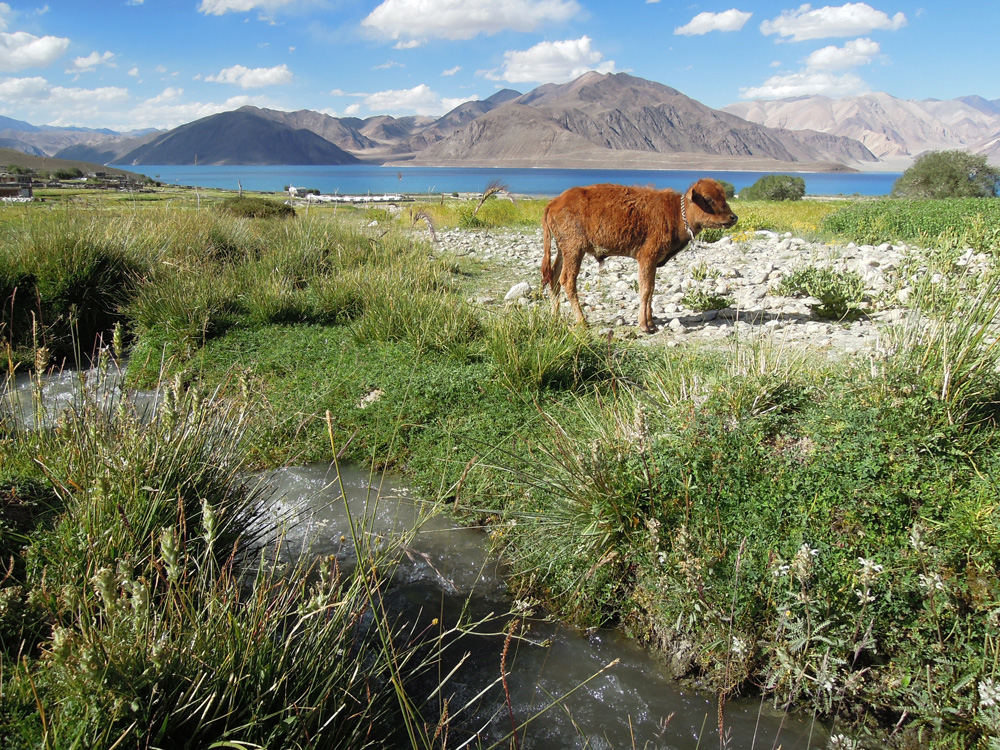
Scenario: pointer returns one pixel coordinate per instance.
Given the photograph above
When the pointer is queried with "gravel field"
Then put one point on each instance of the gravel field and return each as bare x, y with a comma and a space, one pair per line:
747, 273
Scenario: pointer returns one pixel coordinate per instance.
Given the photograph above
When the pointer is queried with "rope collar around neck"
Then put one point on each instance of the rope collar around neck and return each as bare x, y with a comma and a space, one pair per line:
684, 218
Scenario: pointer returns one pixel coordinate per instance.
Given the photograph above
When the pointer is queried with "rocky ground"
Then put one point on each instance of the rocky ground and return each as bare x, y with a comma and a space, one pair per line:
747, 273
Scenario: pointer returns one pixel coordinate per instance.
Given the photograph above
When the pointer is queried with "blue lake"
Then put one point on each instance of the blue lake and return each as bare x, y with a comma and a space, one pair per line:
375, 180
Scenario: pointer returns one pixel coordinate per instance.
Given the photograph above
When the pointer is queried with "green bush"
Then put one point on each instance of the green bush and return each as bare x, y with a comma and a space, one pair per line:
775, 187
700, 300
838, 292
728, 188
948, 174
254, 207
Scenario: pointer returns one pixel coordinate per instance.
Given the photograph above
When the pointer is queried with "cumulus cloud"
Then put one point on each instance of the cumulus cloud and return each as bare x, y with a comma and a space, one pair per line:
729, 20
89, 63
552, 62
850, 19
463, 19
420, 99
37, 91
253, 78
20, 50
220, 7
852, 54
806, 83
451, 71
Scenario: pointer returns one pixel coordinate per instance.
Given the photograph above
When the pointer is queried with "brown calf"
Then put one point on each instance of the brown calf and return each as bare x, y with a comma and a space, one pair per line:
651, 226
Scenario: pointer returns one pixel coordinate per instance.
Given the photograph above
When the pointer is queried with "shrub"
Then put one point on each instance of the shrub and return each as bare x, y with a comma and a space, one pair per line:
699, 300
775, 187
837, 291
728, 188
254, 207
948, 174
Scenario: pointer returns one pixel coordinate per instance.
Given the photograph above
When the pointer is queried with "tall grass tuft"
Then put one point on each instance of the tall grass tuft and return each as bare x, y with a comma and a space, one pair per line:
157, 610
530, 350
949, 340
62, 280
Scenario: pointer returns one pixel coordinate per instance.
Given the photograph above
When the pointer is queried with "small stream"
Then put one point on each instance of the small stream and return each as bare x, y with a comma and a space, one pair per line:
447, 573
631, 704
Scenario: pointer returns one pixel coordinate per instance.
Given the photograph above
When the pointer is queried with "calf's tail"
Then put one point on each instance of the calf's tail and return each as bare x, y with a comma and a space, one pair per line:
546, 249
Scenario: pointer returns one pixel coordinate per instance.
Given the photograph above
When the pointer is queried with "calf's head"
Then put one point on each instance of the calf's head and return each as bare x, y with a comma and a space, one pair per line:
708, 206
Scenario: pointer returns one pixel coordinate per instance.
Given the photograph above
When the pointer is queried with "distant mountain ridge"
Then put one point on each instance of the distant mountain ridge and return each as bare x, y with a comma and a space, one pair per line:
601, 118
597, 120
893, 129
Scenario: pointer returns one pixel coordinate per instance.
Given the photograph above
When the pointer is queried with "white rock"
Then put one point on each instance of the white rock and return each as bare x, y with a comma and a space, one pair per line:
522, 289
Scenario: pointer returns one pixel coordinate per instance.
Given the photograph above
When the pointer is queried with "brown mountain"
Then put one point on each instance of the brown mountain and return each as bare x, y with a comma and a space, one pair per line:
239, 137
334, 129
595, 121
895, 130
620, 120
15, 157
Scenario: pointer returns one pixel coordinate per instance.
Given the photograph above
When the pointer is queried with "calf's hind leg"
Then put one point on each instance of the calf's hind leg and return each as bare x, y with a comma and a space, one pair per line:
571, 269
555, 283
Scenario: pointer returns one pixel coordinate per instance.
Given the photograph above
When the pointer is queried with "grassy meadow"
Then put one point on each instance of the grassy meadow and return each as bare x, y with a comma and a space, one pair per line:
824, 533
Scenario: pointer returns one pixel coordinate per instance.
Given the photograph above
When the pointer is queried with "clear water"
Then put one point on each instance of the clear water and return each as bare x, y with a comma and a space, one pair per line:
375, 180
630, 704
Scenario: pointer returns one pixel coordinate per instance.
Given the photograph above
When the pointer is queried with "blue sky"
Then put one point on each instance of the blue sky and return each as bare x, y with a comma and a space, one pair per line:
130, 64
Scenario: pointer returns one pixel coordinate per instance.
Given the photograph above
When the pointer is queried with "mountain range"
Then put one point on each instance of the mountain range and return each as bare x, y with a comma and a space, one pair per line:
895, 130
596, 121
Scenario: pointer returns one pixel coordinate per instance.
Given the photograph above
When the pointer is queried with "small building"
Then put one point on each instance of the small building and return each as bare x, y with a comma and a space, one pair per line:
15, 186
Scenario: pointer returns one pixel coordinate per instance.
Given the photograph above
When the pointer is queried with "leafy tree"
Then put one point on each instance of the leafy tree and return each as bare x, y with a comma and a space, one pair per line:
775, 187
948, 174
728, 188
74, 173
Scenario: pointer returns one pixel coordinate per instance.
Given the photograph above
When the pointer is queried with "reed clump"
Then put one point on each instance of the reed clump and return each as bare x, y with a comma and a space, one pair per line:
147, 602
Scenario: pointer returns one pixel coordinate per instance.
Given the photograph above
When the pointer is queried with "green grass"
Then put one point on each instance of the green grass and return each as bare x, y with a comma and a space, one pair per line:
972, 222
823, 531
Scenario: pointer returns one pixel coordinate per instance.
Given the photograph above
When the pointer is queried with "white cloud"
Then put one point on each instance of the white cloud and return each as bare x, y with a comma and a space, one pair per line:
253, 78
849, 19
420, 99
464, 19
89, 63
552, 62
806, 83
220, 7
729, 20
20, 50
16, 90
852, 54
34, 99
38, 91
352, 109
134, 72
409, 44
451, 71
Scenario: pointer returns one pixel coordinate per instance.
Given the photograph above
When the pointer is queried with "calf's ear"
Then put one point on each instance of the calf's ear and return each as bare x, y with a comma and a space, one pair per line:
704, 202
